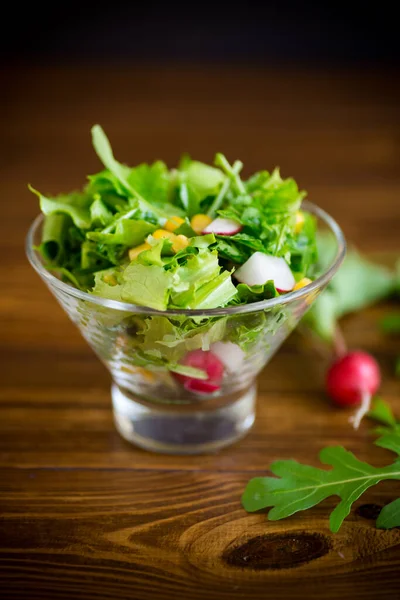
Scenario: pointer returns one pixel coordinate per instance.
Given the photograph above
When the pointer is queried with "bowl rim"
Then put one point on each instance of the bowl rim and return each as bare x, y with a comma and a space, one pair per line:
52, 281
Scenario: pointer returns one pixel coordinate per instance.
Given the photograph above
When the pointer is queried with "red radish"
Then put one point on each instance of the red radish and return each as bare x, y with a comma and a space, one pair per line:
206, 361
230, 354
352, 380
221, 226
260, 268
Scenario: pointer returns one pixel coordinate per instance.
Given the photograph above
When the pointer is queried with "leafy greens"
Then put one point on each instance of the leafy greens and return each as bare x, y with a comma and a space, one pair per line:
298, 487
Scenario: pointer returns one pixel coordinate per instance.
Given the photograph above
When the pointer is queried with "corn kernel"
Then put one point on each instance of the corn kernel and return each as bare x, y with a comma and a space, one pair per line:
110, 279
302, 283
163, 234
134, 252
173, 223
180, 242
141, 371
299, 222
200, 222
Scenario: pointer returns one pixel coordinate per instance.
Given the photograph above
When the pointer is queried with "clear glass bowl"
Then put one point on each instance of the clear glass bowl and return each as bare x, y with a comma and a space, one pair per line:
152, 408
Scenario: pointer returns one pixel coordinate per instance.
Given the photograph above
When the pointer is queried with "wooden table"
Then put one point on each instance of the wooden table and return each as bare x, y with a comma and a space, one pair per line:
83, 514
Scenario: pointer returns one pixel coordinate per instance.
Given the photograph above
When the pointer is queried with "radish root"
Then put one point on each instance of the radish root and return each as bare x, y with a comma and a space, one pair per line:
362, 411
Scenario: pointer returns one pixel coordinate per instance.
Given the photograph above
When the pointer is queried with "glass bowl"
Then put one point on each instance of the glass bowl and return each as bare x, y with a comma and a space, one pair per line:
152, 406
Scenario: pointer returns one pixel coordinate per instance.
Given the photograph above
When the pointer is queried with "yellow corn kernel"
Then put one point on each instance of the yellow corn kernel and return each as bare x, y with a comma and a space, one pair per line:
180, 242
134, 252
200, 222
141, 371
163, 234
302, 283
110, 279
299, 222
173, 223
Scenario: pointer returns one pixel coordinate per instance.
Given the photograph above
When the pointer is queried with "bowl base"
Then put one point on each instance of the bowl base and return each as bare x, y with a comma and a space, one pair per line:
173, 431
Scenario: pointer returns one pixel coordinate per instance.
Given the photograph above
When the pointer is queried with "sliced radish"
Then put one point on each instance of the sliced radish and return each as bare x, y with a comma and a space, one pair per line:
206, 361
200, 386
221, 226
230, 354
260, 268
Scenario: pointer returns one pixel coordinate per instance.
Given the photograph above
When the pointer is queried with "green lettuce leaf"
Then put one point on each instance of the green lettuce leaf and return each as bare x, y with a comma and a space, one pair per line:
128, 232
171, 339
100, 214
54, 237
255, 293
197, 181
104, 289
146, 286
76, 205
149, 180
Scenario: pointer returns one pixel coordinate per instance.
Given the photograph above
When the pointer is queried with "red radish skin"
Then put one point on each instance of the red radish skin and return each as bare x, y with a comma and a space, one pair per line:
221, 226
352, 380
208, 362
260, 268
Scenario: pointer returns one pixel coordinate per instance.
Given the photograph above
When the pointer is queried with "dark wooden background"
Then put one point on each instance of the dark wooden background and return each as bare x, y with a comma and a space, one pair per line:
83, 514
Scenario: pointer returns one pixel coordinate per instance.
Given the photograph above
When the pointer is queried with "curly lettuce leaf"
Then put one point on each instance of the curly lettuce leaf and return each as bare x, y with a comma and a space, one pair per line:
76, 205
146, 286
170, 339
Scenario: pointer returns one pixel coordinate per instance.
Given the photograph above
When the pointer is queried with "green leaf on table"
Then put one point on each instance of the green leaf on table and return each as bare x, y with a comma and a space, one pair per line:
391, 324
358, 284
390, 440
298, 487
382, 412
389, 516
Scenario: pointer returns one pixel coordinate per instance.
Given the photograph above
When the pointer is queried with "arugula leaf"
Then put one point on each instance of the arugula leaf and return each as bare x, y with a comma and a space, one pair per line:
358, 284
75, 205
391, 324
389, 516
299, 487
382, 412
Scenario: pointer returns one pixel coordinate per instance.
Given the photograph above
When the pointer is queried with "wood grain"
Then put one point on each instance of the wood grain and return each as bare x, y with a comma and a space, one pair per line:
82, 513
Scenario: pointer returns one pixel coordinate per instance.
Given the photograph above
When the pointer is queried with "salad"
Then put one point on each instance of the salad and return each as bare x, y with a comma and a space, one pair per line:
195, 237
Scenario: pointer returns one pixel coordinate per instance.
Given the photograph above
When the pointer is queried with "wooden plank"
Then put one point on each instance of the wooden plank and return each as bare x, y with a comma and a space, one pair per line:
142, 534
